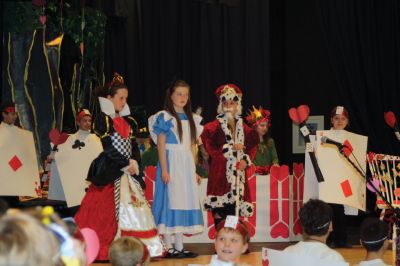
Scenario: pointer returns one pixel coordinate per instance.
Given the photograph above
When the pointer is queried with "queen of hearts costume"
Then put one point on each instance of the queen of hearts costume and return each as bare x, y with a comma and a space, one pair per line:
227, 185
114, 204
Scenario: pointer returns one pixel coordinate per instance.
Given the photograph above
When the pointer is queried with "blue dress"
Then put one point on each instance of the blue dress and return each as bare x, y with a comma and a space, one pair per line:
176, 205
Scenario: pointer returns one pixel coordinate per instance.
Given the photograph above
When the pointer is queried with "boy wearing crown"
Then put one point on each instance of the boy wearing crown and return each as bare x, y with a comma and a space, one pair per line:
228, 141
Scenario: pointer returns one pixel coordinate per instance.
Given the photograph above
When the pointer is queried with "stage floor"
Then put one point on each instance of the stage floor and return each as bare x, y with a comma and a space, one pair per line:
353, 256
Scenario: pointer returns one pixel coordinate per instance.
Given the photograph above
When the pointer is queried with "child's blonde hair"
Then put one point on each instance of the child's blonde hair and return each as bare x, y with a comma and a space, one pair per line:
128, 251
26, 241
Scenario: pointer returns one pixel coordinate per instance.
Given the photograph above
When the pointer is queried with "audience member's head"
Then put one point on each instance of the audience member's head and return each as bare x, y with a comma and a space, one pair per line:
232, 239
374, 234
3, 207
128, 251
316, 218
26, 241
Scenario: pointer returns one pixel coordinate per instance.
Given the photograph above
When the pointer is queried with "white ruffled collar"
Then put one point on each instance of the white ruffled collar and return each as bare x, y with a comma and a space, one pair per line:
107, 107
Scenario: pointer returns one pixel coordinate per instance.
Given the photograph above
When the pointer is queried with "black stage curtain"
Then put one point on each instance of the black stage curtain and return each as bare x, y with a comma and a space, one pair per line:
363, 44
206, 43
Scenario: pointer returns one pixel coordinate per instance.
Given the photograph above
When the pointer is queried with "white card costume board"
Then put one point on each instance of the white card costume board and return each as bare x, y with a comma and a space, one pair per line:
274, 257
311, 190
19, 174
56, 191
276, 200
72, 162
343, 184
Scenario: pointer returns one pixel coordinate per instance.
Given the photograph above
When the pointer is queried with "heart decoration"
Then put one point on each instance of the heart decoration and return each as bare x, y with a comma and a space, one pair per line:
92, 244
42, 20
280, 230
82, 47
56, 137
280, 173
298, 169
390, 118
122, 127
375, 183
299, 114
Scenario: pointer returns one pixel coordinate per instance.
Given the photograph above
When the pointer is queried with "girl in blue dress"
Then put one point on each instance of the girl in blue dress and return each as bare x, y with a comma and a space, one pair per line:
176, 205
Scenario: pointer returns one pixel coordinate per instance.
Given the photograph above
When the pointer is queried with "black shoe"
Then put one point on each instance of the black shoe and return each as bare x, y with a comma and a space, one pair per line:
174, 254
188, 254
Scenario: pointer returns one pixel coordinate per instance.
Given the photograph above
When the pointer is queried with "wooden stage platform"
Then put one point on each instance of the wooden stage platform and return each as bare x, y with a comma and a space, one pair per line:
353, 255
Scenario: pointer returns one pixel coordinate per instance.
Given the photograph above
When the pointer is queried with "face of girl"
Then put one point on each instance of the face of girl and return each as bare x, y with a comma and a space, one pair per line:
339, 122
262, 128
229, 245
180, 97
119, 99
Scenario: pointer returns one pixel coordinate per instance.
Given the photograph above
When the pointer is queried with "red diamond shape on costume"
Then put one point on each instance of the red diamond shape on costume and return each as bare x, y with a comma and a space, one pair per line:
15, 163
346, 188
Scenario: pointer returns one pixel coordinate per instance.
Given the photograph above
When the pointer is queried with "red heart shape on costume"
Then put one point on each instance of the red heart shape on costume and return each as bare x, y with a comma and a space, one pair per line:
299, 114
265, 262
122, 127
56, 137
390, 118
297, 229
298, 169
279, 172
280, 230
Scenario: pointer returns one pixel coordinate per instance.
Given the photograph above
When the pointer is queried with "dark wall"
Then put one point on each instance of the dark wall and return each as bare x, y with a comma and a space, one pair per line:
300, 70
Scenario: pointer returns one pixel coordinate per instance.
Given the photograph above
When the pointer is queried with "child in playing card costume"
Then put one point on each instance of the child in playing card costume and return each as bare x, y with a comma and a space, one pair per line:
264, 154
176, 205
114, 204
338, 238
228, 141
9, 116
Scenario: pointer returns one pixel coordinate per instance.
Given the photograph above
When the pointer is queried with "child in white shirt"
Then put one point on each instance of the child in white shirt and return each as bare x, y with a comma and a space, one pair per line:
316, 220
374, 238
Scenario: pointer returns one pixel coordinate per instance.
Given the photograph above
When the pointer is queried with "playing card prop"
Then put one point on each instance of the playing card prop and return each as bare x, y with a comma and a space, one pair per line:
19, 174
277, 199
391, 120
299, 116
343, 184
272, 257
72, 161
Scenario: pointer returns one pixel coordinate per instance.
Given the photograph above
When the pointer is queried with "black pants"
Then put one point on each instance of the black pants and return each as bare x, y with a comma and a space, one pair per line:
219, 214
339, 234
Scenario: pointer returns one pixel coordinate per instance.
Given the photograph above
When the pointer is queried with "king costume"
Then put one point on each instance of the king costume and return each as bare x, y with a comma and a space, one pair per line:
227, 185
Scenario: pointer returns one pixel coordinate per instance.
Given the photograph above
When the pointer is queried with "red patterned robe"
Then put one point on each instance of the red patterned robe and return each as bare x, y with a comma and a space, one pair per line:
218, 142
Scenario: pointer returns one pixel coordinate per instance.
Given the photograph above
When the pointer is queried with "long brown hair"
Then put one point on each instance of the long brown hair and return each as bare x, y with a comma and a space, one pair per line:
169, 107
